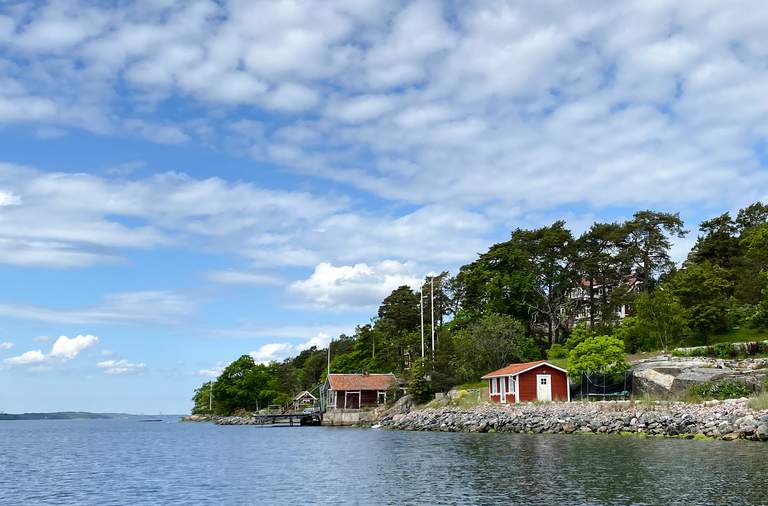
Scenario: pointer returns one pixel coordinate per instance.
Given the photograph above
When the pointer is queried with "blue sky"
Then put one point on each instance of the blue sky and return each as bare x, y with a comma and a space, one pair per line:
185, 182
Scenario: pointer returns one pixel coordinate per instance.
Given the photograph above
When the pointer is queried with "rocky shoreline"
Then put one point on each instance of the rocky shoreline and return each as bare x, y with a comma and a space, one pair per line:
221, 420
728, 420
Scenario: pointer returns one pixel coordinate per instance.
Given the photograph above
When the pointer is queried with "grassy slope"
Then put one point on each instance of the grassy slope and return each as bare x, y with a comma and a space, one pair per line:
739, 336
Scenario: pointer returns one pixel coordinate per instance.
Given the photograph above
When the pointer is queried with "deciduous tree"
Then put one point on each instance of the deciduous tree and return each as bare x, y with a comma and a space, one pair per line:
598, 355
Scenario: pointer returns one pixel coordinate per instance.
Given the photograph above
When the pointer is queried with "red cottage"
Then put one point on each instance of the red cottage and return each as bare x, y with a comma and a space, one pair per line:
531, 381
355, 391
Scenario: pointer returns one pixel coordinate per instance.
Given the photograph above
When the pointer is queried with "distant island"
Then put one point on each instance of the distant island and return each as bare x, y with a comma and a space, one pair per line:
65, 415
61, 415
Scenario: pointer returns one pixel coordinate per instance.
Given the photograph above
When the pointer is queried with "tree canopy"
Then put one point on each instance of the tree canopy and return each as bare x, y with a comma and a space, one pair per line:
541, 291
598, 355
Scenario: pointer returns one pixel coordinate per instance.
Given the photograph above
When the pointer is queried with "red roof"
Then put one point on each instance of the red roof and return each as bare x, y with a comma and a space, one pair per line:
514, 369
362, 381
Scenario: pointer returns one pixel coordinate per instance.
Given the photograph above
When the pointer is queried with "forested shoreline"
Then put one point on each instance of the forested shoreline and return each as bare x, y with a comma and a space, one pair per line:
516, 302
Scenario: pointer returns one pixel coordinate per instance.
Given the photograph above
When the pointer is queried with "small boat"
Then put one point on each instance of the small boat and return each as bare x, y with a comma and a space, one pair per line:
377, 426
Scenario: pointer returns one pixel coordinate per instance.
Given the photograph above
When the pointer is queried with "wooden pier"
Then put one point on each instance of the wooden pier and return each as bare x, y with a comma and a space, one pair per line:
288, 419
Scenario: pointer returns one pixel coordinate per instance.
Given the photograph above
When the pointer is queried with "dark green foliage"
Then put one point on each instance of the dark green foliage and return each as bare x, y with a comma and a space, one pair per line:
552, 256
703, 292
500, 281
202, 400
720, 243
752, 216
490, 343
418, 387
645, 246
557, 351
633, 335
724, 350
660, 321
727, 389
440, 288
399, 312
599, 264
579, 334
243, 385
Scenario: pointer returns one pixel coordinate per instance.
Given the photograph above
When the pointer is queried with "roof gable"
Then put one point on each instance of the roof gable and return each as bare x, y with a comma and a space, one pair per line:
304, 394
515, 369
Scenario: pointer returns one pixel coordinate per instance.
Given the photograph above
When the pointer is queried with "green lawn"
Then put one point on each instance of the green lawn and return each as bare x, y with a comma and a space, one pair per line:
562, 363
468, 386
734, 336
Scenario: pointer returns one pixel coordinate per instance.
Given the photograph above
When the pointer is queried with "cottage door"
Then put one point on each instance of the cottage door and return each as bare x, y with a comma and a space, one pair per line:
543, 387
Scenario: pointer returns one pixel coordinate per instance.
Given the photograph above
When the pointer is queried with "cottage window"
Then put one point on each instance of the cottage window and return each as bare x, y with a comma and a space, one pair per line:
382, 397
494, 386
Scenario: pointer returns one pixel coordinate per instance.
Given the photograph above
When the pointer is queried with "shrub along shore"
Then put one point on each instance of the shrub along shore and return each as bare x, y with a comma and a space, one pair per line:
728, 420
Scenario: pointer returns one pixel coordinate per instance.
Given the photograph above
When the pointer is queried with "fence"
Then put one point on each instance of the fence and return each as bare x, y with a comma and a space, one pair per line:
602, 386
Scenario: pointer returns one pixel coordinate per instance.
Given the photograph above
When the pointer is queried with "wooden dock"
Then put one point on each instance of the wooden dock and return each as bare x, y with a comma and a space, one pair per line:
288, 419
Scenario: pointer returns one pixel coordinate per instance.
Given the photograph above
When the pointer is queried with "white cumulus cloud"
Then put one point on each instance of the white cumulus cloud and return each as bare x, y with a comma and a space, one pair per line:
64, 349
27, 358
272, 352
68, 348
6, 345
352, 286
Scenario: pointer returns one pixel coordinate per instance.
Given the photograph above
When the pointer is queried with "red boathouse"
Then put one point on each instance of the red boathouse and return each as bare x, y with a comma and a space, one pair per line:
528, 382
356, 391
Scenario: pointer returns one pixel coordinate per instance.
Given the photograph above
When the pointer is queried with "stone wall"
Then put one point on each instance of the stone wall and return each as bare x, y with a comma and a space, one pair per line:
727, 420
340, 417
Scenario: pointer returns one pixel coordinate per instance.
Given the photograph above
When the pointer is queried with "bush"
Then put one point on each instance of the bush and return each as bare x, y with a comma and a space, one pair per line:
579, 334
557, 351
727, 389
418, 387
599, 354
724, 350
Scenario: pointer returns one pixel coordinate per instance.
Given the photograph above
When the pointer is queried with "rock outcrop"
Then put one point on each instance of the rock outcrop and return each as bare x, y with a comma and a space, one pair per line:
671, 377
727, 420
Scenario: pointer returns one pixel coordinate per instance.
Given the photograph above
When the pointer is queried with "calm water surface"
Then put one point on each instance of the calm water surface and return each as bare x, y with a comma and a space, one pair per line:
130, 462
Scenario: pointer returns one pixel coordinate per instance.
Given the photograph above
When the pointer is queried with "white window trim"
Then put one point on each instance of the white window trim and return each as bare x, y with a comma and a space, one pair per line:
332, 398
494, 386
517, 388
503, 383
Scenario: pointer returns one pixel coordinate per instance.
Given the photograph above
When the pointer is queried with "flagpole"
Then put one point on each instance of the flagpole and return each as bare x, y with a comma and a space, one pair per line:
421, 310
432, 310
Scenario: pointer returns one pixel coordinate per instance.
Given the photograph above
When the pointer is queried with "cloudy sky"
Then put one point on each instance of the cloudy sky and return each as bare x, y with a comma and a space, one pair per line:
184, 182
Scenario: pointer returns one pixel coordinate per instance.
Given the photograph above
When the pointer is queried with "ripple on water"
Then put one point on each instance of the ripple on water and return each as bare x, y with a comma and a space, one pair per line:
127, 462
